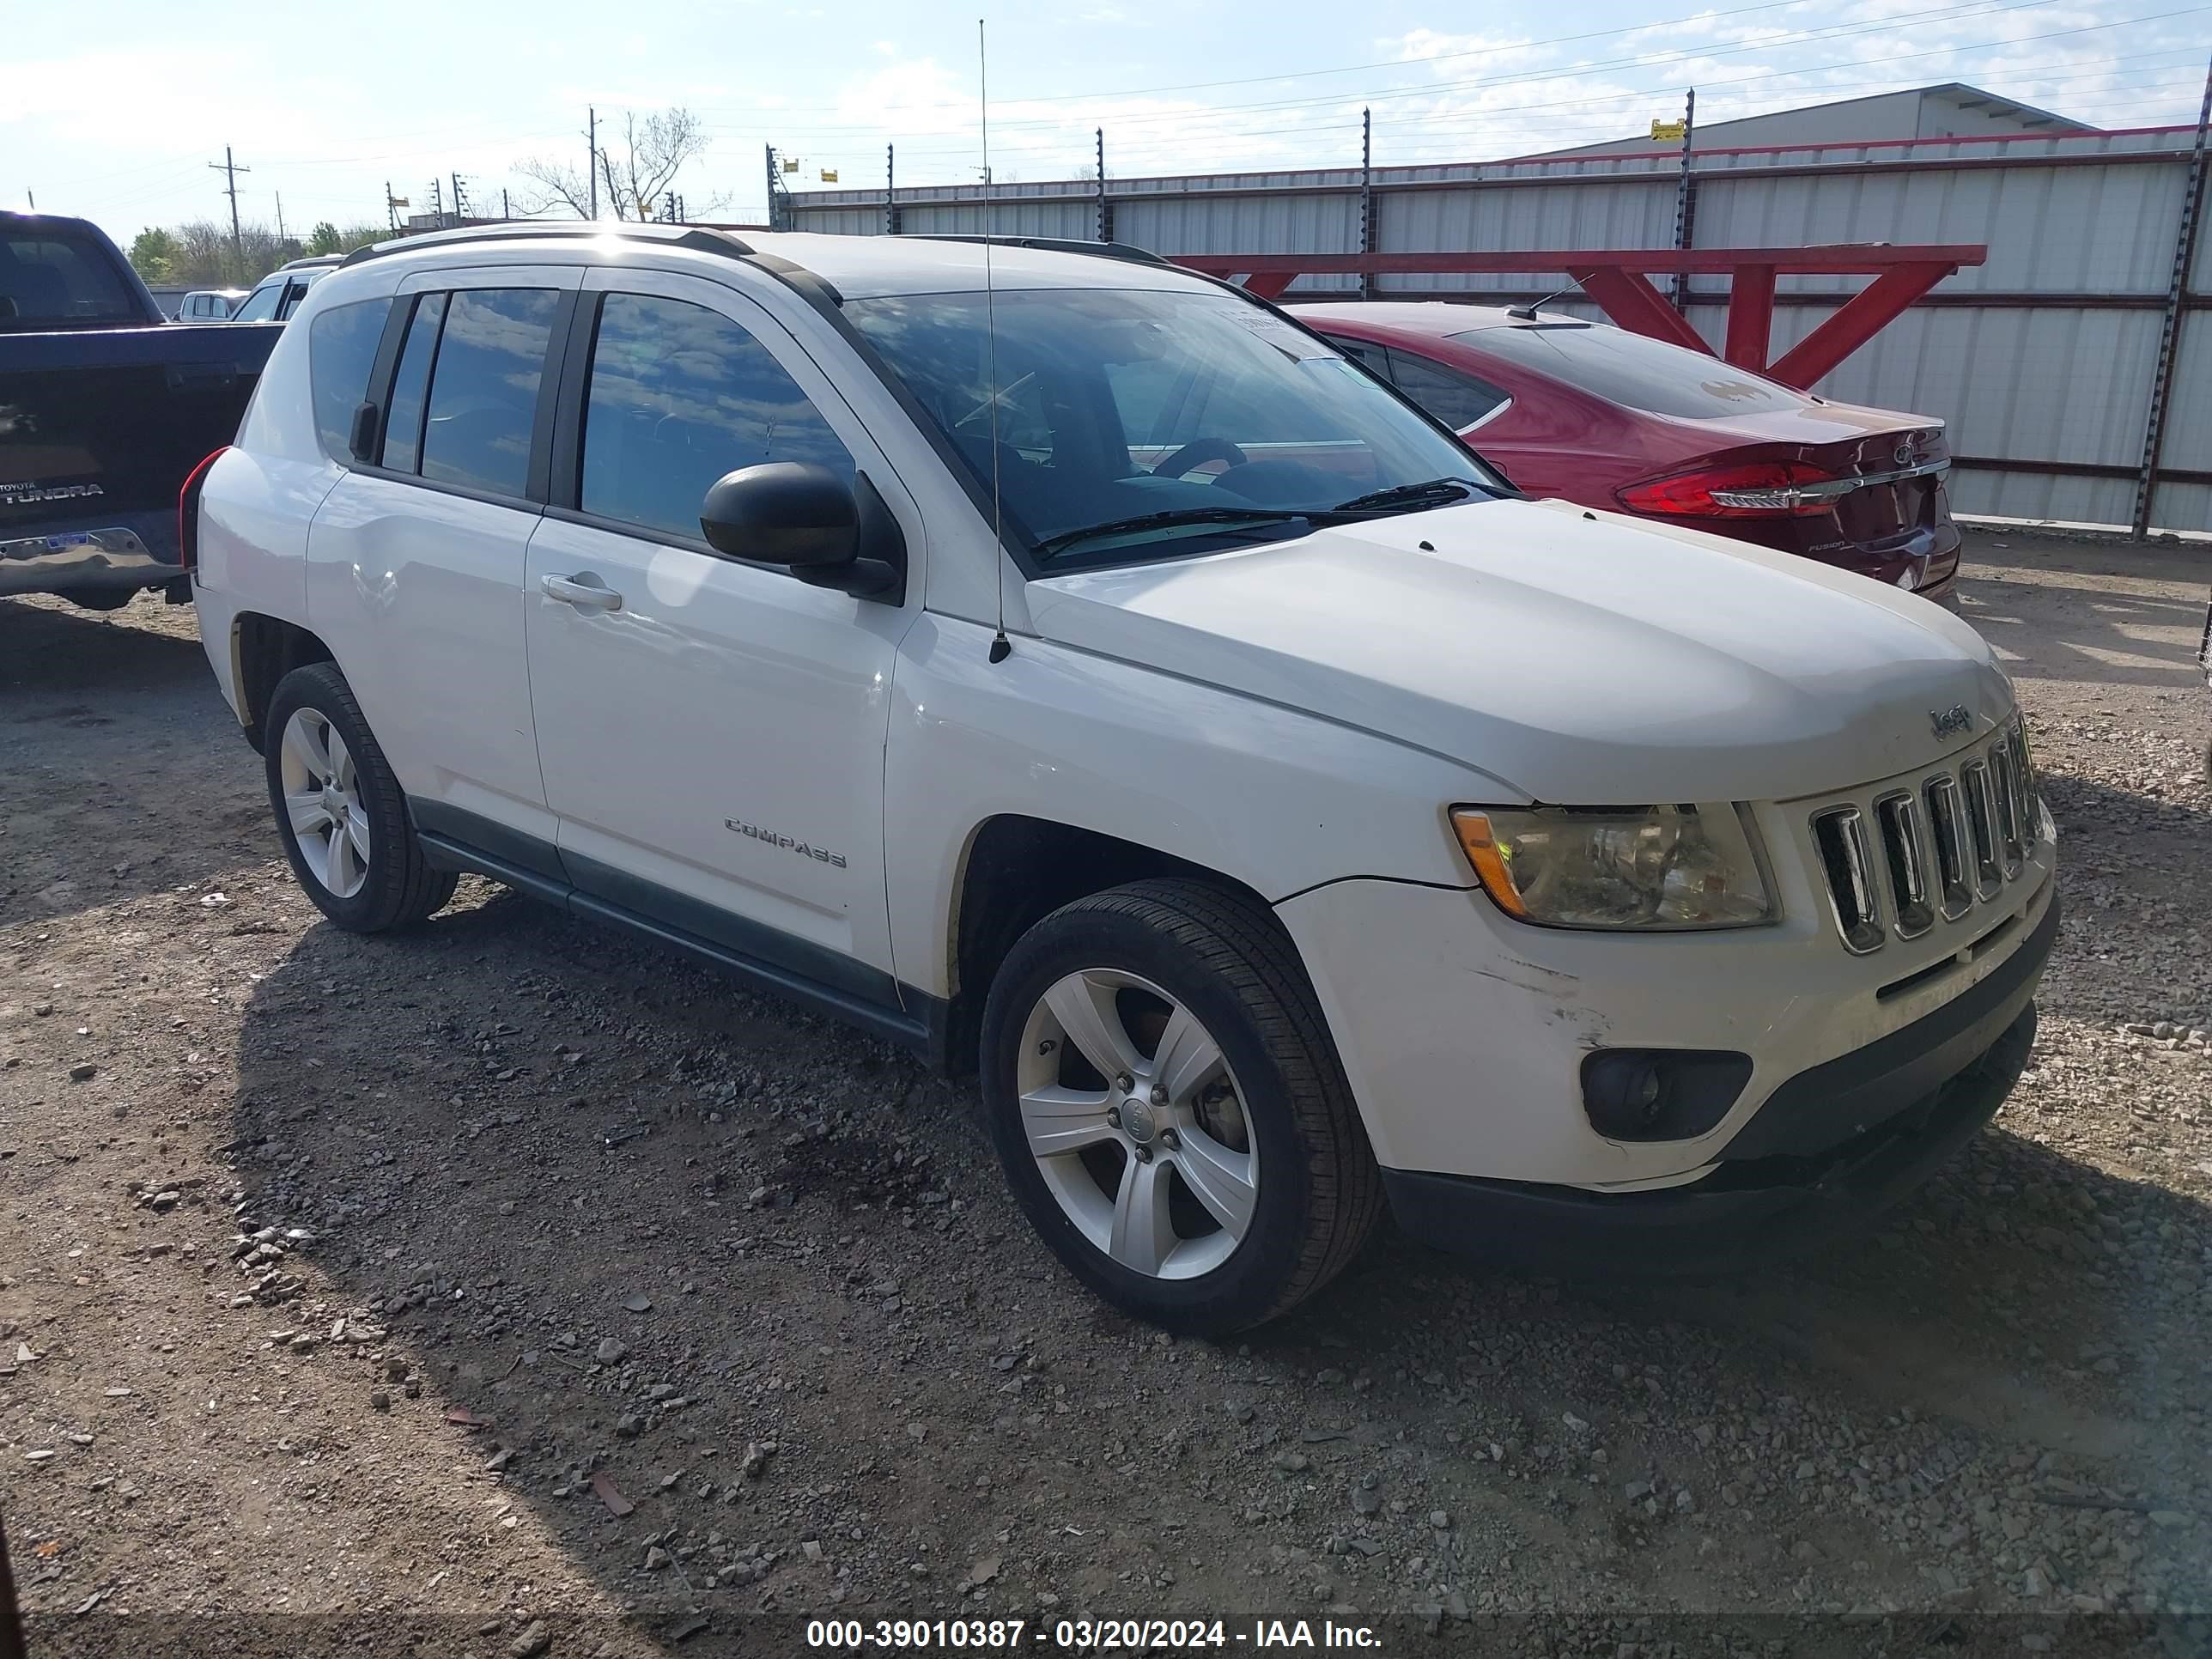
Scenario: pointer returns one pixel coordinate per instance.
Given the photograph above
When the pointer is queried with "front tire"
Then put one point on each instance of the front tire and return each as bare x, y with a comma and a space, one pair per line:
342, 813
1169, 1111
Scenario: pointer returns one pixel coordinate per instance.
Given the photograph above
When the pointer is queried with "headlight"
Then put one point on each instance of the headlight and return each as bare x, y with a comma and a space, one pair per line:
1652, 866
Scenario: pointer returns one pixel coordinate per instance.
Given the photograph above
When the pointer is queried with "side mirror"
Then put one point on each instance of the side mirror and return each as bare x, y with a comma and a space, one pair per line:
828, 533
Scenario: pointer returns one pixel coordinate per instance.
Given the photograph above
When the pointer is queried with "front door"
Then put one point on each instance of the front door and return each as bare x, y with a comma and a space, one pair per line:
711, 731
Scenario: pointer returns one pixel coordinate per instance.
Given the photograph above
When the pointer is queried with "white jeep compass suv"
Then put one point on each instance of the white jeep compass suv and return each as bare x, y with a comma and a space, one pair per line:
1074, 669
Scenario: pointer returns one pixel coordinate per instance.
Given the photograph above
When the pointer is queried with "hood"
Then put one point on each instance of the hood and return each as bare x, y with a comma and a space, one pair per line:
1579, 659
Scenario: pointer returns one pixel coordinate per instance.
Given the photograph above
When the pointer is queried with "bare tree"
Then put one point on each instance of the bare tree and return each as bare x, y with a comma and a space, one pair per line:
635, 173
204, 255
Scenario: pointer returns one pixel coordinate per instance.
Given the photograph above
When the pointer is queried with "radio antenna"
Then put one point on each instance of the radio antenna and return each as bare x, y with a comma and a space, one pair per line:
1001, 647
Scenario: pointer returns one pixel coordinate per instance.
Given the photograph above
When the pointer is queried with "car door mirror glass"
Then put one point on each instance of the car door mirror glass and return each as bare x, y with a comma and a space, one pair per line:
789, 512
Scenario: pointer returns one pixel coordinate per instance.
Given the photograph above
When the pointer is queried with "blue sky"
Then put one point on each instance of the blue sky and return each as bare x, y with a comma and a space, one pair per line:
118, 122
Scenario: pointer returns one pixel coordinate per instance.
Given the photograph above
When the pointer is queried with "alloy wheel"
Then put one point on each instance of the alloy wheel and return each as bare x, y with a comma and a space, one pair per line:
1137, 1124
323, 802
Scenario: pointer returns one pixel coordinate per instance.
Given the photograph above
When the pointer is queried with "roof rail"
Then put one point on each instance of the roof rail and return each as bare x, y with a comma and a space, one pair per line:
1128, 250
697, 240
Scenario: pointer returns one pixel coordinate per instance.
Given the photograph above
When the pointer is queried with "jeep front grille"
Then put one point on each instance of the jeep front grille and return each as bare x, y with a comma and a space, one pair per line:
1929, 848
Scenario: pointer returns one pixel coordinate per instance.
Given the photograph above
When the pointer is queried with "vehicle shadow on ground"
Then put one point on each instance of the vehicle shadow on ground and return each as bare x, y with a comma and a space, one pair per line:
2048, 628
116, 737
652, 1226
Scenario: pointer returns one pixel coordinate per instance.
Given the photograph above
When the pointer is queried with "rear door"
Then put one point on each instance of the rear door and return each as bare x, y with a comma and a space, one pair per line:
416, 561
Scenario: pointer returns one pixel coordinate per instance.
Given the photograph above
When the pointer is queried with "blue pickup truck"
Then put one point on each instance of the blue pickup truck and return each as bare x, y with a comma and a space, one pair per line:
106, 407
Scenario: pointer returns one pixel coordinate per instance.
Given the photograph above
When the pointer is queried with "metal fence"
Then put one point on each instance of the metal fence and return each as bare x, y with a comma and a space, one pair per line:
2051, 363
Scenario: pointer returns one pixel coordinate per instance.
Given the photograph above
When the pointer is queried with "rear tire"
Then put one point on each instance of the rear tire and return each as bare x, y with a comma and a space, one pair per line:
341, 812
1220, 1176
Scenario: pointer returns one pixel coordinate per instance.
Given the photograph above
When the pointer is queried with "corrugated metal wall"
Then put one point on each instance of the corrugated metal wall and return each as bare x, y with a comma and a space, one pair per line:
2042, 358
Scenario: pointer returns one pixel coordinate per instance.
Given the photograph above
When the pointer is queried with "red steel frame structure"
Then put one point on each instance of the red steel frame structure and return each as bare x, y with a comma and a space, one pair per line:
1618, 281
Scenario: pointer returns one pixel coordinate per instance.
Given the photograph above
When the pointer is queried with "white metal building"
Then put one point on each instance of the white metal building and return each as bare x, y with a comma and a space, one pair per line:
1952, 110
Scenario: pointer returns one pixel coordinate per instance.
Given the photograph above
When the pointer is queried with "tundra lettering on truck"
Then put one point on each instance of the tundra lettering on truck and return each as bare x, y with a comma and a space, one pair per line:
14, 494
1088, 608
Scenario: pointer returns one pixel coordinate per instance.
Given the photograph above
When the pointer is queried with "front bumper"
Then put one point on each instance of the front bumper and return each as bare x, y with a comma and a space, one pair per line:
1828, 1150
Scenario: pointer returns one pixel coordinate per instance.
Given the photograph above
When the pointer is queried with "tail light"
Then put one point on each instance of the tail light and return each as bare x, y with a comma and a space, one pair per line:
1746, 489
188, 511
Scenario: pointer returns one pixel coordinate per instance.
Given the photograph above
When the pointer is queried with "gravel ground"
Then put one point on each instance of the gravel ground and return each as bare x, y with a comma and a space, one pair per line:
506, 1289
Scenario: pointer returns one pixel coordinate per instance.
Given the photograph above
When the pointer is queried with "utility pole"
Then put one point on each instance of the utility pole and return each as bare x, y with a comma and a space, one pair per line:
460, 202
390, 207
592, 172
776, 214
2169, 333
1105, 210
280, 217
230, 170
503, 213
437, 205
891, 190
1367, 198
1685, 204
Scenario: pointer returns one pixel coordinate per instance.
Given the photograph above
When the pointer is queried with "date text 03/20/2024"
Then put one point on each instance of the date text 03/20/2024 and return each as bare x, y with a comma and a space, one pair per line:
1085, 1635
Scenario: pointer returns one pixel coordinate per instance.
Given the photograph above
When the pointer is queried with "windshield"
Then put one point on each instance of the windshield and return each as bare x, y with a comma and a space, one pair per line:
260, 305
52, 279
1634, 370
1200, 414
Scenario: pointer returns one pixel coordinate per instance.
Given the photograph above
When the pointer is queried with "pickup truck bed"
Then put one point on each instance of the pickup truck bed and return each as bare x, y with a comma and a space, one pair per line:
102, 415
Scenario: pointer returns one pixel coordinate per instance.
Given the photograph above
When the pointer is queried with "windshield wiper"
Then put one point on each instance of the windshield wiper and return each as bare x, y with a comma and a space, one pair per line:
1434, 492
1168, 520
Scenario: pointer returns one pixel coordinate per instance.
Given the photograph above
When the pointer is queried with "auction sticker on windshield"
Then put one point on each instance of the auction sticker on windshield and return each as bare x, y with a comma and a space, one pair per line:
1291, 342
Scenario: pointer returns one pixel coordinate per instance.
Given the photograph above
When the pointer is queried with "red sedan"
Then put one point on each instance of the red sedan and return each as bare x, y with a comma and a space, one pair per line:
1604, 418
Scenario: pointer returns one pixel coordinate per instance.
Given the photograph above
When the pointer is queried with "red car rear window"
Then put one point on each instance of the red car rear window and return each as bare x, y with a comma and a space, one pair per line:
1634, 370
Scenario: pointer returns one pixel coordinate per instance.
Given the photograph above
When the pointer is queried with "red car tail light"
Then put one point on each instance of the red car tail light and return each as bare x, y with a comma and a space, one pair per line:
188, 511
1746, 489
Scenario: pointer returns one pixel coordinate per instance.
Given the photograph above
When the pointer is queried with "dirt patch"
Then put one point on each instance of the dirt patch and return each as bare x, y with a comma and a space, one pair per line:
354, 1273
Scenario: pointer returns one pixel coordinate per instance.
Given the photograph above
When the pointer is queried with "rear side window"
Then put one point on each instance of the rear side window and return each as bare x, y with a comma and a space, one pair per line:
1360, 351
49, 279
403, 420
1455, 397
1634, 370
679, 396
296, 290
484, 387
341, 353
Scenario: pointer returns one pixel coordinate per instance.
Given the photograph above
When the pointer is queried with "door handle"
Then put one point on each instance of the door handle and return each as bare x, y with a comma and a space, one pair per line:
584, 594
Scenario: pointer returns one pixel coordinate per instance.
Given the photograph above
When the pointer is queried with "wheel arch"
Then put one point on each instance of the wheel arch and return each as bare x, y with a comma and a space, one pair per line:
1016, 870
263, 649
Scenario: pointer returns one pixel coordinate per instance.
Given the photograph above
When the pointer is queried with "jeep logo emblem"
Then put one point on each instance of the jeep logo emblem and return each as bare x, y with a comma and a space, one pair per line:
1957, 718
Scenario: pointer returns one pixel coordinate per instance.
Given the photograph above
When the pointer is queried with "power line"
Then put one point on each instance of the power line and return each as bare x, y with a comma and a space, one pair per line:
1484, 116
1895, 23
1488, 50
1903, 24
1663, 60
